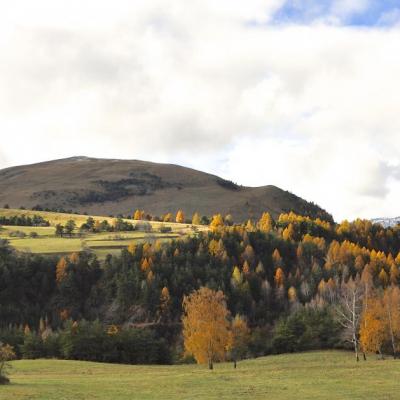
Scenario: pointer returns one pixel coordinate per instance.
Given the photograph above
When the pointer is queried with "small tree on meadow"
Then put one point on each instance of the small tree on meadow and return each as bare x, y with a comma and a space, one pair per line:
6, 354
59, 230
205, 326
70, 227
240, 336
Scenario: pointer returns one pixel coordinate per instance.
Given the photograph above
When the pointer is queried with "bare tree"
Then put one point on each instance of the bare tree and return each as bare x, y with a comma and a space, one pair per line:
348, 310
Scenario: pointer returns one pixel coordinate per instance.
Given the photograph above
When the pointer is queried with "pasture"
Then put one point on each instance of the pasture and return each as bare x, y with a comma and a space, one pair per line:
101, 243
330, 375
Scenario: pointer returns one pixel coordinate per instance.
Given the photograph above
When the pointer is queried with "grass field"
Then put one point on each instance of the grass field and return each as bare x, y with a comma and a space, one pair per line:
101, 244
316, 375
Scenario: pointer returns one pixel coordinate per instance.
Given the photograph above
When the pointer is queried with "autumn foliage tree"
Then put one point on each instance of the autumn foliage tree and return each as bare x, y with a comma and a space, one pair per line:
6, 354
180, 217
205, 326
196, 220
373, 331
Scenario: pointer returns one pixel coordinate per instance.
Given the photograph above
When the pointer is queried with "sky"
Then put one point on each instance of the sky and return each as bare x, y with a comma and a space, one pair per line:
304, 95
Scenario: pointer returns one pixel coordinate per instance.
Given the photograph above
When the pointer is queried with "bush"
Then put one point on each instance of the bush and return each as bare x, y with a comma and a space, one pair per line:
89, 341
33, 347
6, 354
306, 329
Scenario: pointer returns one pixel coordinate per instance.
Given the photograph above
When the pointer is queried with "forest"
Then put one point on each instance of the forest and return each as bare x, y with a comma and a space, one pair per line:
290, 285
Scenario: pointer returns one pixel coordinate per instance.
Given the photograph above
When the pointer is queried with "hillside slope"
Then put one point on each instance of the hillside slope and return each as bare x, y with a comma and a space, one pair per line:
103, 187
317, 375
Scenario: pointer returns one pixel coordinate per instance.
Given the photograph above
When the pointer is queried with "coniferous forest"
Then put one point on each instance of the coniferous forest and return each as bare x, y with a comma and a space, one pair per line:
289, 285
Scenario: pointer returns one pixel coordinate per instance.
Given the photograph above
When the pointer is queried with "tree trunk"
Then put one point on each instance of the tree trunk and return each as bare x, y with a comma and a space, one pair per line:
234, 364
356, 350
391, 330
210, 364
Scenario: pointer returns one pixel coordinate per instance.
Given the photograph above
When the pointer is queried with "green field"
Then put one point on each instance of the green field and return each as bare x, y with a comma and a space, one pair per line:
101, 244
316, 375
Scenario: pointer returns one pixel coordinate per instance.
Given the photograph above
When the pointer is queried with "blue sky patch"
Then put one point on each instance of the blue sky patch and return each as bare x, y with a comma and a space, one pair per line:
349, 13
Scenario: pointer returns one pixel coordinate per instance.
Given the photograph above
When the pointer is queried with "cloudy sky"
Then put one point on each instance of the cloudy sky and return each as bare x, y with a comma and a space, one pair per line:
302, 94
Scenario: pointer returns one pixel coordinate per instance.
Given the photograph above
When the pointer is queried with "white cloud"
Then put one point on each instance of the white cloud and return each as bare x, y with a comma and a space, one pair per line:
311, 109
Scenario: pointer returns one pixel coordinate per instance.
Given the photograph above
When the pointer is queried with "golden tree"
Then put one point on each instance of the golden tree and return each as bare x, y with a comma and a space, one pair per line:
279, 277
168, 217
237, 277
217, 222
206, 326
138, 215
61, 269
288, 233
373, 327
165, 301
180, 217
276, 258
196, 219
265, 223
391, 302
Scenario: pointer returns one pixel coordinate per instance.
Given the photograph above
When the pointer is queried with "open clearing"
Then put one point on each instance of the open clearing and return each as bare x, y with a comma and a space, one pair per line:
315, 375
101, 243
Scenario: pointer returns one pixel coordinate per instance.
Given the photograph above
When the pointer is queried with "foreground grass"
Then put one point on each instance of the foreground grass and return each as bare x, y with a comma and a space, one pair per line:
315, 375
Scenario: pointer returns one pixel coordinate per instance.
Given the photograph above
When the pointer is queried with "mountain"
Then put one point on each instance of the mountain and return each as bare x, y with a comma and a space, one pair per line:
105, 186
386, 222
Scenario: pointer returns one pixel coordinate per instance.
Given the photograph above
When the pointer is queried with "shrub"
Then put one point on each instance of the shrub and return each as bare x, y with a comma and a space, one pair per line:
6, 354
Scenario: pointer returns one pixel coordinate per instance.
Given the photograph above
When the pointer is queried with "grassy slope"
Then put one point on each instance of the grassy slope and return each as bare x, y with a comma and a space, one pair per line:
102, 243
62, 183
316, 375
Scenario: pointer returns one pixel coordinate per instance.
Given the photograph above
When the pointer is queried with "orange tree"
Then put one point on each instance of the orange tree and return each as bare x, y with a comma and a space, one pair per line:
206, 326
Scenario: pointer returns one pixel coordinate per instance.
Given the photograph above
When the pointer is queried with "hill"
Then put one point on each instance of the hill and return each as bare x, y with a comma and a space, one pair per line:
318, 375
104, 187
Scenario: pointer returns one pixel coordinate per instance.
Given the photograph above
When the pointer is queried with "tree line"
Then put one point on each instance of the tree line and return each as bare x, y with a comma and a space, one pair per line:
292, 284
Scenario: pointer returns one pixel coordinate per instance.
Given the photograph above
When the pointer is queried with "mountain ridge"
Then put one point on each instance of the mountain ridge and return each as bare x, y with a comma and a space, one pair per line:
115, 186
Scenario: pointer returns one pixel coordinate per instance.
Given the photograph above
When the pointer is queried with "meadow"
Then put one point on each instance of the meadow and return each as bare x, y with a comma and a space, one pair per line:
314, 375
101, 243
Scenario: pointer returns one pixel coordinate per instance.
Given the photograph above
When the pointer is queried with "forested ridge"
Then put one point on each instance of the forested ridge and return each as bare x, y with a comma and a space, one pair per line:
291, 280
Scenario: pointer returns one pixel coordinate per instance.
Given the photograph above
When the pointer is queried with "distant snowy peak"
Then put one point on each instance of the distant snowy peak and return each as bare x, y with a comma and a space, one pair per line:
386, 222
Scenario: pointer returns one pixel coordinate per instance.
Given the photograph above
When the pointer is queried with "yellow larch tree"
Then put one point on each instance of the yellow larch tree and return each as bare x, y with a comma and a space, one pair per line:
292, 294
288, 232
276, 258
373, 327
61, 269
217, 222
205, 326
391, 302
265, 223
165, 300
196, 220
138, 215
279, 277
180, 217
168, 217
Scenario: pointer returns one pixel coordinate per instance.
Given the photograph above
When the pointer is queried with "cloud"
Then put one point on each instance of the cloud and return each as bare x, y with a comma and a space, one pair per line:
217, 86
